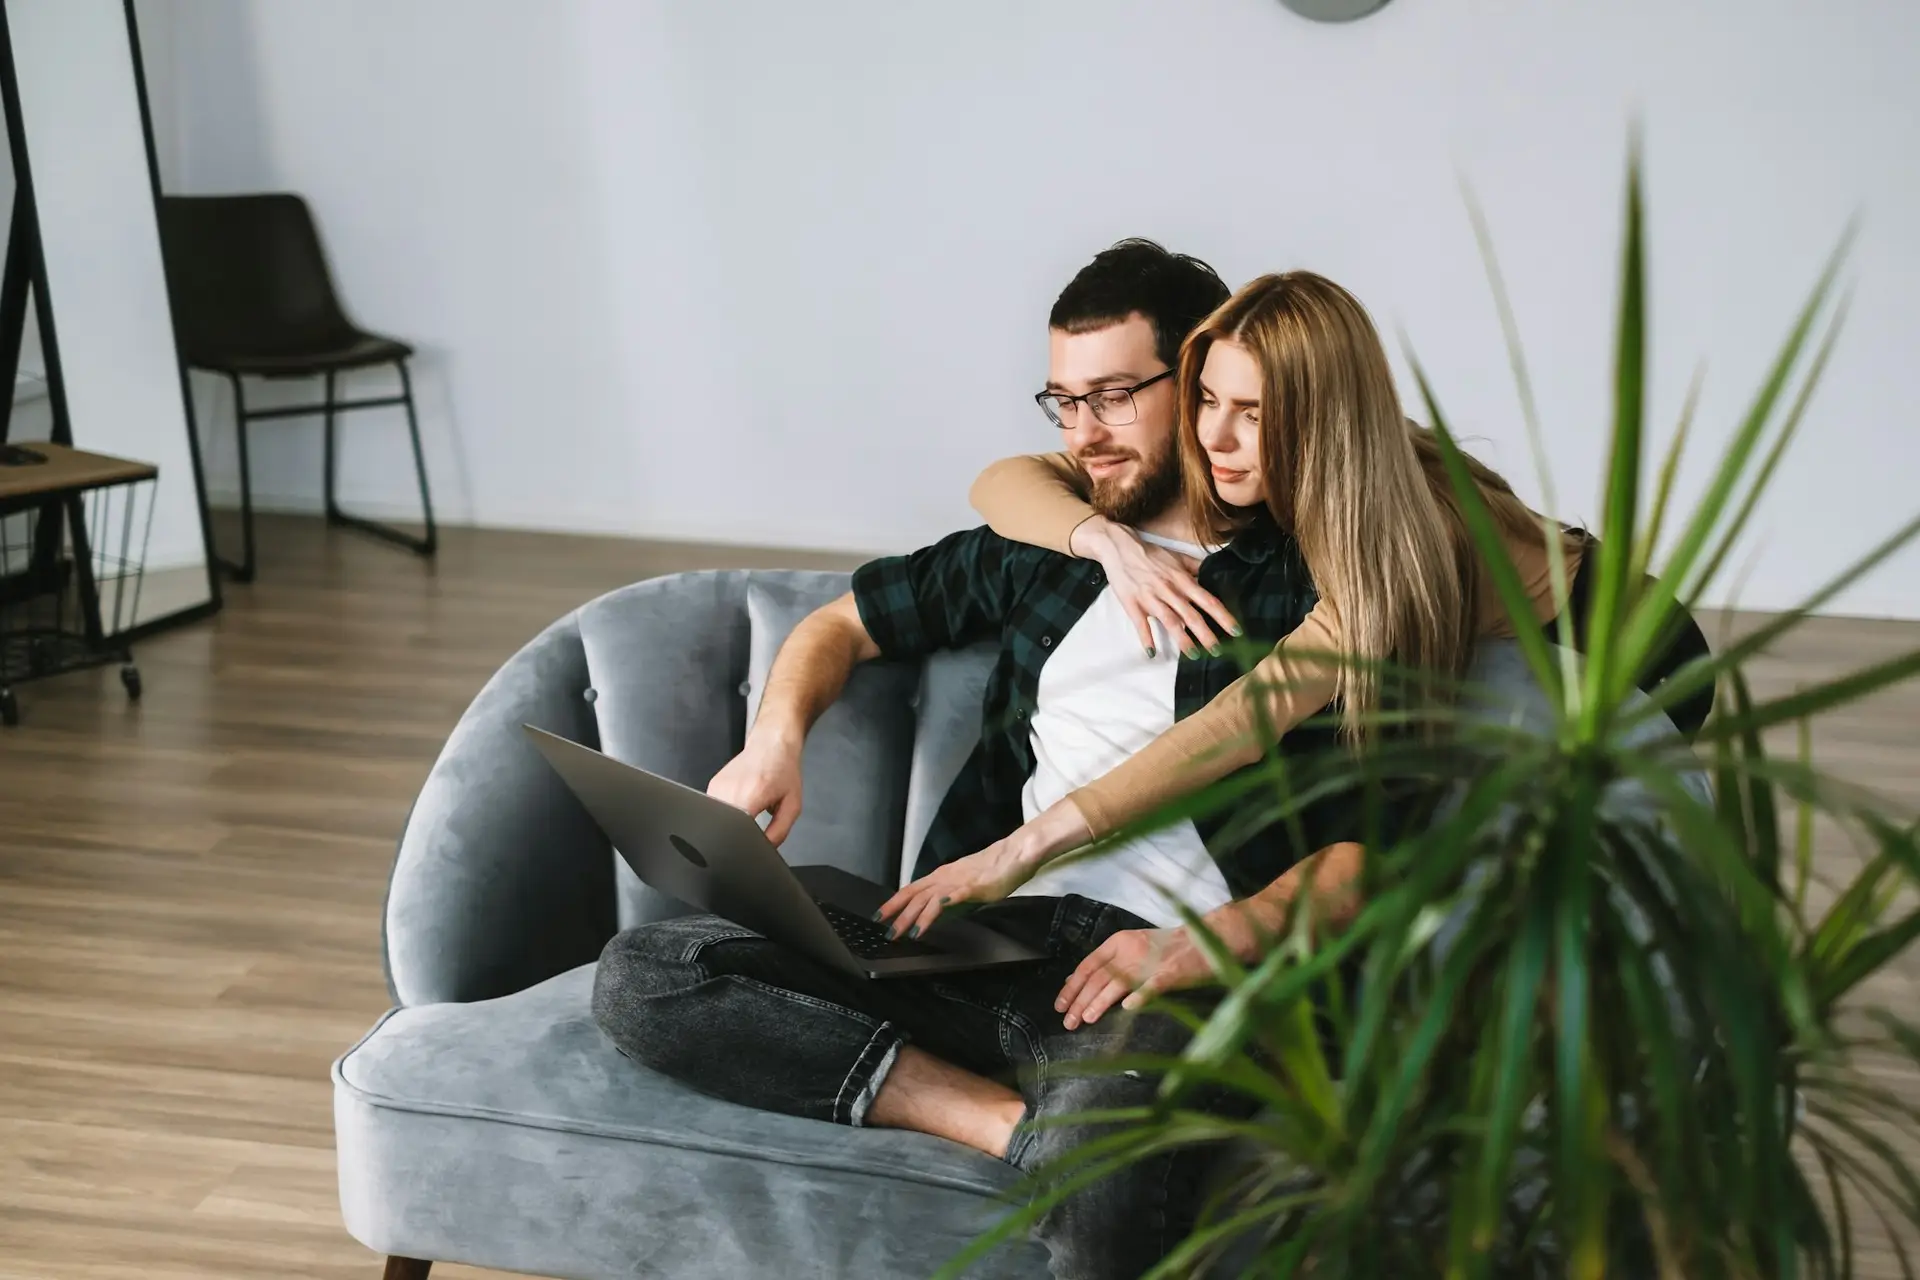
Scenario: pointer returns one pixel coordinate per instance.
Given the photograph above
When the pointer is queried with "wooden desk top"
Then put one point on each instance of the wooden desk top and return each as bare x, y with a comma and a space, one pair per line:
68, 471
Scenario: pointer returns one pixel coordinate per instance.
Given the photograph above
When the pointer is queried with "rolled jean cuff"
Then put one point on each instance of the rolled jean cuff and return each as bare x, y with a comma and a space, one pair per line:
1025, 1138
870, 1069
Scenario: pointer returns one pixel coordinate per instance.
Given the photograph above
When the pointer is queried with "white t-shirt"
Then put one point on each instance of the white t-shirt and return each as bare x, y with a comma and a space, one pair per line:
1101, 699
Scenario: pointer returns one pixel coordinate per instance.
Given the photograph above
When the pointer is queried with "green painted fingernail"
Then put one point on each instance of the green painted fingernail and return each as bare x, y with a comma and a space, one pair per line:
1150, 651
914, 932
1190, 653
1235, 629
1214, 650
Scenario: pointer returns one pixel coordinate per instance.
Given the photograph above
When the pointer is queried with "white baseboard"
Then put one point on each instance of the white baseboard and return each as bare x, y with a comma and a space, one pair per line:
578, 520
312, 505
1871, 602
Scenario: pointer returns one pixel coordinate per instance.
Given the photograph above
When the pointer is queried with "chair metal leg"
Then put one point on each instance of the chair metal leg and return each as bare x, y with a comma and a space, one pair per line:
427, 545
406, 1269
242, 572
333, 507
432, 541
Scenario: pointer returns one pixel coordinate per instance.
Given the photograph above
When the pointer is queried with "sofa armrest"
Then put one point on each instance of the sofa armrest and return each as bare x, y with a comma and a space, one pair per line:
501, 879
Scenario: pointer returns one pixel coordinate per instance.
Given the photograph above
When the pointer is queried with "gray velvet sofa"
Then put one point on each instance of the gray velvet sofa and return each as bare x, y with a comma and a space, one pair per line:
485, 1119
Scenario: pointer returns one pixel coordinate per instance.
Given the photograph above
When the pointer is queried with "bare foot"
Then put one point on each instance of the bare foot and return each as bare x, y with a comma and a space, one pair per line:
928, 1095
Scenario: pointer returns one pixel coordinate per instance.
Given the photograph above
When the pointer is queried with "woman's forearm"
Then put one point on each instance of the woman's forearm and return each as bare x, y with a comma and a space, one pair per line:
1232, 731
1330, 876
1250, 926
1048, 834
1036, 498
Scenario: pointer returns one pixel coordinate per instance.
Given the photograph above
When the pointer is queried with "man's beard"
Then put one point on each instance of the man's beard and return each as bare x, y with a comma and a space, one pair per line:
1141, 497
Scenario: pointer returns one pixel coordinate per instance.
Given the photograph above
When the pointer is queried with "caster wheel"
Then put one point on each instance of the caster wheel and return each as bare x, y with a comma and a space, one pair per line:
130, 677
9, 708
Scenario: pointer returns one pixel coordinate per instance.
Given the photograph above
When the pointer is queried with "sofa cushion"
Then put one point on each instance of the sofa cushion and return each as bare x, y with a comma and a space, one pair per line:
854, 769
1502, 690
665, 659
953, 686
510, 1133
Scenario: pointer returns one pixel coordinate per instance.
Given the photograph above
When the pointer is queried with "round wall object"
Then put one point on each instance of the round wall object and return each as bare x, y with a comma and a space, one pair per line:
1334, 10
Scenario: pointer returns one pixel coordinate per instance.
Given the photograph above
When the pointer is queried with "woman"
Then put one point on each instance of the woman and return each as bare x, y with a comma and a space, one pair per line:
1287, 401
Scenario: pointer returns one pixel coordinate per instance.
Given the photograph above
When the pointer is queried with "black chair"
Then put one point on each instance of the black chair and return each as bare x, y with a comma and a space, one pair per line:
252, 296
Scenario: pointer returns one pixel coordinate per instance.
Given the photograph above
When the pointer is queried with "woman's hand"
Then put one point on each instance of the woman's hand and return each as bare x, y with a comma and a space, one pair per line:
1155, 584
987, 876
1133, 966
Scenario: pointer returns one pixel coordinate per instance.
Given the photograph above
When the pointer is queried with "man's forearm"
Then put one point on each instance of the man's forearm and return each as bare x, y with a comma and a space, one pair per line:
810, 670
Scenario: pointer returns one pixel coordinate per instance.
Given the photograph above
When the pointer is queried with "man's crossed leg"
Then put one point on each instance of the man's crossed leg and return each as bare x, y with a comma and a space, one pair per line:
969, 1056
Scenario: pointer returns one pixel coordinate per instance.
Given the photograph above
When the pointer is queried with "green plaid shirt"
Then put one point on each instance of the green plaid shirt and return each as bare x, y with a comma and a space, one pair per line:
975, 586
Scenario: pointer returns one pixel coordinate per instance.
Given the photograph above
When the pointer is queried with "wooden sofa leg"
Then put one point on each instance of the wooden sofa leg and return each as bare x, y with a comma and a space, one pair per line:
406, 1269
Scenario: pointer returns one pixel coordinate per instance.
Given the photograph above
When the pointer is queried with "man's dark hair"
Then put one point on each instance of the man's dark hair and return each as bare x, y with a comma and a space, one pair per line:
1174, 291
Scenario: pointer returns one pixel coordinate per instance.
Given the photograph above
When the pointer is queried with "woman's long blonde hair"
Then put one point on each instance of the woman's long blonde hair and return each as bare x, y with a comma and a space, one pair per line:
1363, 490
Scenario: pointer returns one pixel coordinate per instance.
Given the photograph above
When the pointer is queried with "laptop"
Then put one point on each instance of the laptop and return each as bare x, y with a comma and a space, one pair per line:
716, 858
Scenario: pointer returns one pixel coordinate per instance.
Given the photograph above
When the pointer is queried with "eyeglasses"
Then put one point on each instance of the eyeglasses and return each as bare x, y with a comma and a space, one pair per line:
1111, 405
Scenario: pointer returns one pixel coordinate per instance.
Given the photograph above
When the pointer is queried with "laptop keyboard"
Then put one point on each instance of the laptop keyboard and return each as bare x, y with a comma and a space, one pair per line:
868, 938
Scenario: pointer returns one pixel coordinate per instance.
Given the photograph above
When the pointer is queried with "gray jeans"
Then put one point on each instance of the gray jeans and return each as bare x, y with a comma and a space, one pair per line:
725, 1011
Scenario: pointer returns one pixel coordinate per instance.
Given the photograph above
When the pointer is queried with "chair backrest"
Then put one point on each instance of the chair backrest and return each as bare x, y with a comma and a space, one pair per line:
502, 881
247, 277
678, 665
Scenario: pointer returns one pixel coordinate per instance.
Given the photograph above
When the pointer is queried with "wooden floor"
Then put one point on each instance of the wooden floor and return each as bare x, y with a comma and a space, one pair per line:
190, 893
190, 889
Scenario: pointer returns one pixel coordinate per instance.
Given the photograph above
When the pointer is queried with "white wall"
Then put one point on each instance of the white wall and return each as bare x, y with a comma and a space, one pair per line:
757, 271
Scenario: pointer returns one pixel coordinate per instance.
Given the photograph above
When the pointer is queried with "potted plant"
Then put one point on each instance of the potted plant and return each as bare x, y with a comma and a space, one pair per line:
1599, 1026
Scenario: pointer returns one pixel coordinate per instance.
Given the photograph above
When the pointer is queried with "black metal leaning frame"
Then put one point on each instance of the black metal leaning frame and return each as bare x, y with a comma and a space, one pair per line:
26, 273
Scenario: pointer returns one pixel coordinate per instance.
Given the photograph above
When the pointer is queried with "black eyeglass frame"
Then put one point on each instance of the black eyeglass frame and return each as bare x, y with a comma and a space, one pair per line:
1041, 398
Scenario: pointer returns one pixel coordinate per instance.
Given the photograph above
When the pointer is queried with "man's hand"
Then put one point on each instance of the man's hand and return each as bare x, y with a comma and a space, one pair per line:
808, 674
763, 778
1154, 584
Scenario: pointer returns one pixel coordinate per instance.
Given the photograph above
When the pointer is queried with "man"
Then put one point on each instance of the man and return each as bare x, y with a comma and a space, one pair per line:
967, 1056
